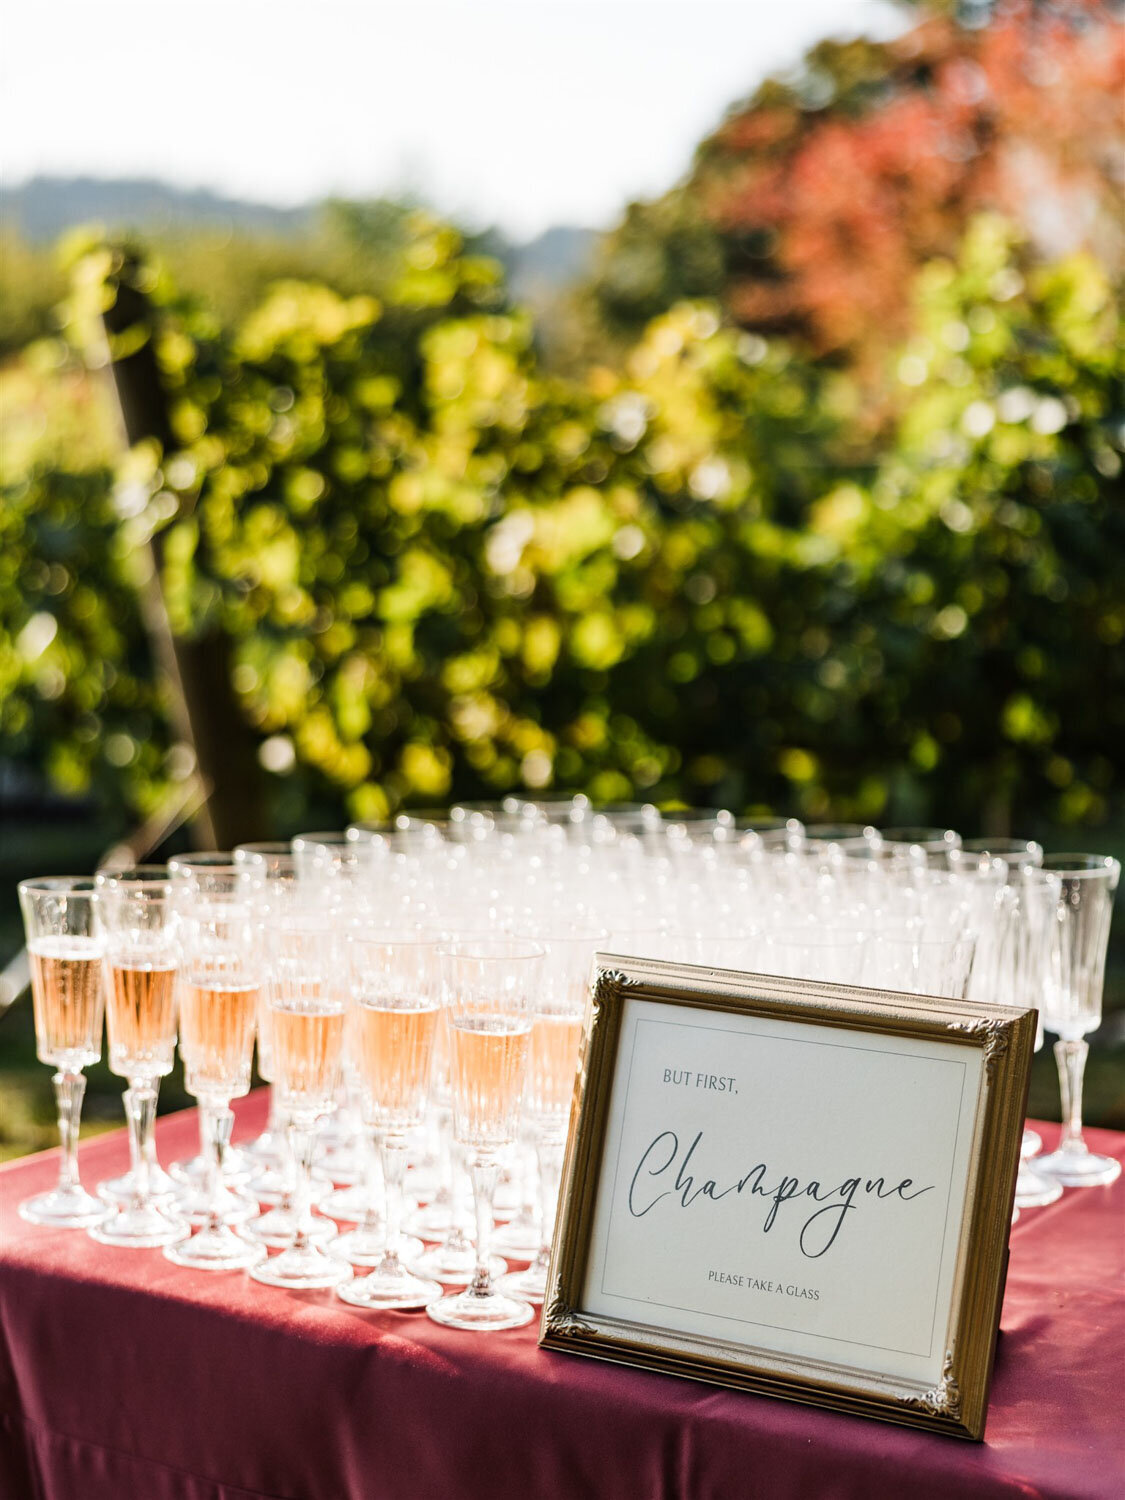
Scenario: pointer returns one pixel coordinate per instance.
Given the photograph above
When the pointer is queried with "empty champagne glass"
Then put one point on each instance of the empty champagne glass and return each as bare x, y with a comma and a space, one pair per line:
65, 948
220, 979
488, 990
559, 1007
1024, 973
396, 998
919, 965
307, 996
1074, 1004
141, 963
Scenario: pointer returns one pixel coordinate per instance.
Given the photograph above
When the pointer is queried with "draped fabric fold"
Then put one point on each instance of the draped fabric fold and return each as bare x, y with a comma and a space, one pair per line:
122, 1375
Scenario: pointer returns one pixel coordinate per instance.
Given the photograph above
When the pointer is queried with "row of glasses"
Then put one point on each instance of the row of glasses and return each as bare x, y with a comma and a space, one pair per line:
911, 912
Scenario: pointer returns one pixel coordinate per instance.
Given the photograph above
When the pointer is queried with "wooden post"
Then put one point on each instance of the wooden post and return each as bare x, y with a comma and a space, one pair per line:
205, 713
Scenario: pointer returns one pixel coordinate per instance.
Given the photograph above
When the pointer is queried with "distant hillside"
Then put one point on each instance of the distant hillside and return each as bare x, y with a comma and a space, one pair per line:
44, 207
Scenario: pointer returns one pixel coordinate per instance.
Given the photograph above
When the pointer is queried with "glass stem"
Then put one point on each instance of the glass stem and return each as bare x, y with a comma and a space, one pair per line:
302, 1144
1071, 1058
445, 1193
372, 1166
148, 1140
549, 1150
392, 1149
140, 1113
218, 1122
69, 1089
485, 1172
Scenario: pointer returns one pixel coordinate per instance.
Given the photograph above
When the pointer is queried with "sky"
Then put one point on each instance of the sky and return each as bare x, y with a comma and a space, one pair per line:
521, 113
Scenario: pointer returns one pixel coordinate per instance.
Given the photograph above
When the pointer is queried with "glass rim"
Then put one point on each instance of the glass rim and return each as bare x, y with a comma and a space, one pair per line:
324, 838
1078, 866
502, 950
396, 937
141, 878
918, 834
202, 859
74, 885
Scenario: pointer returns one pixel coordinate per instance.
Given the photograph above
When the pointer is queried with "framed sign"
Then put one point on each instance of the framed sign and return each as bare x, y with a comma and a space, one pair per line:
796, 1188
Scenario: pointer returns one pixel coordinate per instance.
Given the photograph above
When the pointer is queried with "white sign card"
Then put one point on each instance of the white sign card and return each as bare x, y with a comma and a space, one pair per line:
784, 1187
798, 1188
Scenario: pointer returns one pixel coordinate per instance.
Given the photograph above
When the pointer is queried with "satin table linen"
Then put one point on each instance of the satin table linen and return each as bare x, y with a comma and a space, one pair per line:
123, 1377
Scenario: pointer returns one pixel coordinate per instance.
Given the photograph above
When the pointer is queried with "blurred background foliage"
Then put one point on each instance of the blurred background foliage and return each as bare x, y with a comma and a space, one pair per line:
807, 497
446, 570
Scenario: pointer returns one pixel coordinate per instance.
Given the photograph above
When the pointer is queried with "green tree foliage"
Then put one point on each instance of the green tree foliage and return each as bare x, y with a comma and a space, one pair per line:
446, 571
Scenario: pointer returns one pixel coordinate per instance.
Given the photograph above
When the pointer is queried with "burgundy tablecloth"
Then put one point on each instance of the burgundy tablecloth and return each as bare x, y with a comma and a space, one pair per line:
123, 1377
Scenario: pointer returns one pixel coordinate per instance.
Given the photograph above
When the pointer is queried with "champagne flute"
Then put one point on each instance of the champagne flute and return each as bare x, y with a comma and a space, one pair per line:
556, 1038
487, 990
65, 948
1074, 1004
120, 1191
140, 979
308, 1008
396, 995
1025, 973
220, 979
210, 871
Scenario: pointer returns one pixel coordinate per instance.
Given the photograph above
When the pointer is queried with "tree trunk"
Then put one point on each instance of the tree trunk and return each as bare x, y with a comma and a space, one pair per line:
205, 713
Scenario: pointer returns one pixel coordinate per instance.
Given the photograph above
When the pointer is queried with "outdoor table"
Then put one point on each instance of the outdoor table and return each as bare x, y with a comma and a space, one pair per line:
124, 1377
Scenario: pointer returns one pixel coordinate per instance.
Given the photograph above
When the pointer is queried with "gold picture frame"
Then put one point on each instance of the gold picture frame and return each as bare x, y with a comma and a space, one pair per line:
901, 1035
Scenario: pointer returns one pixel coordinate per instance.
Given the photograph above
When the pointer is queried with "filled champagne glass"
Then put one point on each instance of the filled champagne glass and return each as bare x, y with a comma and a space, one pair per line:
65, 948
558, 1015
1074, 1004
212, 871
488, 992
396, 1006
220, 980
141, 964
307, 997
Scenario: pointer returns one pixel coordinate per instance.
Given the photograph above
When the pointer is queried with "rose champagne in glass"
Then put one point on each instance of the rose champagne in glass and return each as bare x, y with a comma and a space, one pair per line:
488, 989
307, 999
65, 949
141, 965
396, 998
220, 980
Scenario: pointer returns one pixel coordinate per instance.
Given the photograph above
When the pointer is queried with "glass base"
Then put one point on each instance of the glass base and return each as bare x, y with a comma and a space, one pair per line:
237, 1168
1031, 1144
267, 1150
479, 1312
528, 1286
508, 1199
234, 1206
343, 1164
269, 1185
304, 1270
122, 1190
367, 1247
146, 1227
432, 1222
348, 1203
278, 1228
1079, 1168
453, 1265
64, 1208
1034, 1189
390, 1286
519, 1239
422, 1179
215, 1250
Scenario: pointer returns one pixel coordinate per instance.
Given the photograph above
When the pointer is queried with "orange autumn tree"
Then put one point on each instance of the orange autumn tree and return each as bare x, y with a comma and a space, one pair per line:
811, 208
